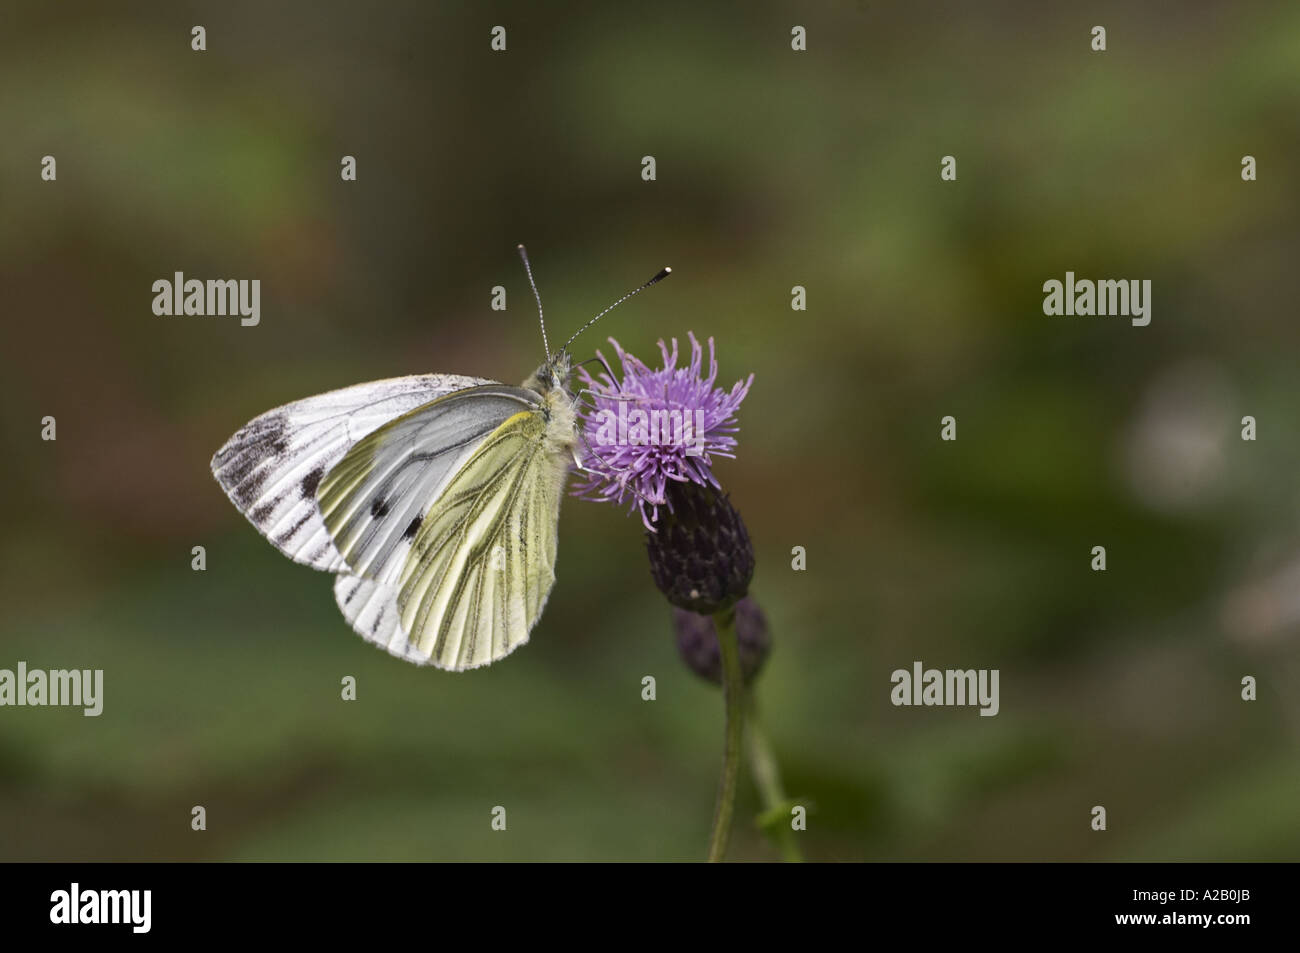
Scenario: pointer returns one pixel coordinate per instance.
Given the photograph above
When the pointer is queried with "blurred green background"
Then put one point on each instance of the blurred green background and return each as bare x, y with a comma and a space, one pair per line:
775, 168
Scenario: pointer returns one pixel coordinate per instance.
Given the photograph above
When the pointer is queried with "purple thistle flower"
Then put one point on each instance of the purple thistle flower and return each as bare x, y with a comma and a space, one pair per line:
683, 422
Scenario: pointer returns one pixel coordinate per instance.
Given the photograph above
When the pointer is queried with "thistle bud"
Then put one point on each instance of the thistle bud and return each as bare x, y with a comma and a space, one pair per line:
697, 641
700, 556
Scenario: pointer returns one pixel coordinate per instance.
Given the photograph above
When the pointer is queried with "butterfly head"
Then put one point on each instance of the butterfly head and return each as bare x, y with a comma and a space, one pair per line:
553, 376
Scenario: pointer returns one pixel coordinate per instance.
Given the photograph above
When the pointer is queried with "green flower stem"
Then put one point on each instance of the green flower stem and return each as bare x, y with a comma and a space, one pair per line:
733, 690
767, 778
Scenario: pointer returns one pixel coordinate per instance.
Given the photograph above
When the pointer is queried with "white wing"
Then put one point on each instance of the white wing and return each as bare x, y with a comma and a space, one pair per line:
483, 563
272, 466
447, 519
376, 498
371, 610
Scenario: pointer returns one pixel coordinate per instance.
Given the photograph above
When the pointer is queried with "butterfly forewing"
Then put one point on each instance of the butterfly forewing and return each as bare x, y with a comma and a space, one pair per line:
272, 467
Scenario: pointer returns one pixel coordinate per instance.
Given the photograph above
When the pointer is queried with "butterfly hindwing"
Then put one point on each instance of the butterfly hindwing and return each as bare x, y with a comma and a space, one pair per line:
483, 562
272, 467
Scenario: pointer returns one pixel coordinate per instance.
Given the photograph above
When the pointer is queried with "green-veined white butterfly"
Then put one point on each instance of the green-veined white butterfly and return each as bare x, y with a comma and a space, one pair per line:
435, 499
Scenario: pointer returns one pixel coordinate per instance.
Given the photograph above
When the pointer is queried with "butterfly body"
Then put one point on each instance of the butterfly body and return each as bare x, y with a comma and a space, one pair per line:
433, 498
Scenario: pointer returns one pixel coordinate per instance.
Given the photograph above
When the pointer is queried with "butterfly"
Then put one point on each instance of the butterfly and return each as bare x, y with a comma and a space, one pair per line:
434, 499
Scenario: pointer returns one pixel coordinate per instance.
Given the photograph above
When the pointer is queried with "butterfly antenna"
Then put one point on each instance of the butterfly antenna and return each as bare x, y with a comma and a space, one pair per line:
523, 253
657, 278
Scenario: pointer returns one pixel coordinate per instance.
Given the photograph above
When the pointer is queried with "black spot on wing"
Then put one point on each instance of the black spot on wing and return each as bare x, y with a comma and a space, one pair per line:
310, 482
379, 509
413, 528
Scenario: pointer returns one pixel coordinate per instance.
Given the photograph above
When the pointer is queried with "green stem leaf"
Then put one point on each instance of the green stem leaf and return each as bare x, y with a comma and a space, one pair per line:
775, 819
